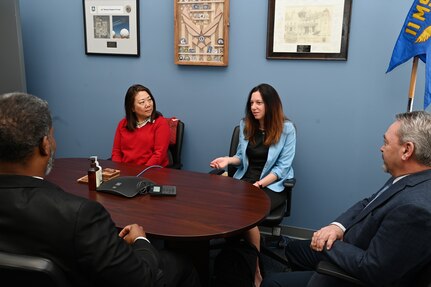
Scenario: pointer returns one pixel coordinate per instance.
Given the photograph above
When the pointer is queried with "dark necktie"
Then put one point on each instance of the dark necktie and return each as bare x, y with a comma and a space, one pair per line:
379, 193
365, 211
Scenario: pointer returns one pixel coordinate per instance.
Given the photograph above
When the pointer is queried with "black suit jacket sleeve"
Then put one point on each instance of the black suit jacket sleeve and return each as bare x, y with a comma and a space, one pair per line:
113, 262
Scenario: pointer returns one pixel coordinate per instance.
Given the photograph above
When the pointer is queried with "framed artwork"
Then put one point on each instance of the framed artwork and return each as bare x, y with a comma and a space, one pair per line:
308, 29
201, 32
111, 27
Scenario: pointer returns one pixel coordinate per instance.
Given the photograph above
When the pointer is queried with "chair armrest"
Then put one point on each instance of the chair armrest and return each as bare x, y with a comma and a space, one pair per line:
25, 268
289, 183
328, 268
217, 171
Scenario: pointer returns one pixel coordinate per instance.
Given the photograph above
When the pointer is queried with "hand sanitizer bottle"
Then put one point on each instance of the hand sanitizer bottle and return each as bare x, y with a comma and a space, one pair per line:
99, 176
94, 174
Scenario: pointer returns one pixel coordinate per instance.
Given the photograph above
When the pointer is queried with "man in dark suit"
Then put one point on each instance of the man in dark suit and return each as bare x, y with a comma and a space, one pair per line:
383, 240
38, 218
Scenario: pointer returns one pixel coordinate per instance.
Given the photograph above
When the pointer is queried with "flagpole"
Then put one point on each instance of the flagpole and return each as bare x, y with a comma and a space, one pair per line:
412, 84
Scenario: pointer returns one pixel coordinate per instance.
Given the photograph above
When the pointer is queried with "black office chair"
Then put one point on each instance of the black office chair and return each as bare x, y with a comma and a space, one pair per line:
328, 268
24, 270
175, 147
273, 220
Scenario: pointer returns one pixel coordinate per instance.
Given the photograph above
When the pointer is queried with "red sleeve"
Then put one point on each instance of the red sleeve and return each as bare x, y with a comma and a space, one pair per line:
161, 143
117, 155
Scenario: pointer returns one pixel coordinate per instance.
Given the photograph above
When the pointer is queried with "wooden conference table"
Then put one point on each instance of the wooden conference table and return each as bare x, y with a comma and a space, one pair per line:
206, 206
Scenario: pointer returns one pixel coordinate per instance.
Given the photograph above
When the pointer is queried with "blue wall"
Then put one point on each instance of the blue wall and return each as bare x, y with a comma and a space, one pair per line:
341, 109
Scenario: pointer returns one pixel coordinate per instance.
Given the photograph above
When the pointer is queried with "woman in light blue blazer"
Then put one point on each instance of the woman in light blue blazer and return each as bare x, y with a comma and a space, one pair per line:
266, 149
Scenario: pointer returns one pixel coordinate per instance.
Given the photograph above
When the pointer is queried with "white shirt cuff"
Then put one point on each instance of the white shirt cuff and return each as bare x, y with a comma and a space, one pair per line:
142, 237
339, 225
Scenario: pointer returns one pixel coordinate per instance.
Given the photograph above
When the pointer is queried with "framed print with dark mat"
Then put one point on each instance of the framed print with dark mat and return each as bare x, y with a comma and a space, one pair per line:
308, 29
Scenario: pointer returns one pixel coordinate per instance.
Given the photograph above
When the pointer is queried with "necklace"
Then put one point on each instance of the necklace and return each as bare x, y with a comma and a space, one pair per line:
142, 123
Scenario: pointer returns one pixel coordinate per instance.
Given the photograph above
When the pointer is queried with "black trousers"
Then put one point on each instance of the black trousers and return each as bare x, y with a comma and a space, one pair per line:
301, 257
303, 260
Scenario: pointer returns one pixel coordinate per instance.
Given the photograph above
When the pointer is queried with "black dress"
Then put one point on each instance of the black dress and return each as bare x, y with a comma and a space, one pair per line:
257, 154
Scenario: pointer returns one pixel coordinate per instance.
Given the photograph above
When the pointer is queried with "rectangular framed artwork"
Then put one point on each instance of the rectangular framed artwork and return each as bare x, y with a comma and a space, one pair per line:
308, 29
201, 35
111, 27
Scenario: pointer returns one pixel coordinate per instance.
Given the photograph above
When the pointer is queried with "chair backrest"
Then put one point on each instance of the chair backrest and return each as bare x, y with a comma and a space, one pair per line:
234, 141
24, 270
175, 147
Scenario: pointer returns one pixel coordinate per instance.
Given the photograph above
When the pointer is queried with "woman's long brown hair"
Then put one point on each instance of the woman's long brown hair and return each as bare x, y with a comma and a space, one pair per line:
274, 116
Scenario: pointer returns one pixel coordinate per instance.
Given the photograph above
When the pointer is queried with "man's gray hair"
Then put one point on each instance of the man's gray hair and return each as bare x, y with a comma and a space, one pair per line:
24, 121
416, 128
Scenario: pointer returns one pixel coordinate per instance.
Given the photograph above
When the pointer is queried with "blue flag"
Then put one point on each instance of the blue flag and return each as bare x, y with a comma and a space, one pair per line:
414, 40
